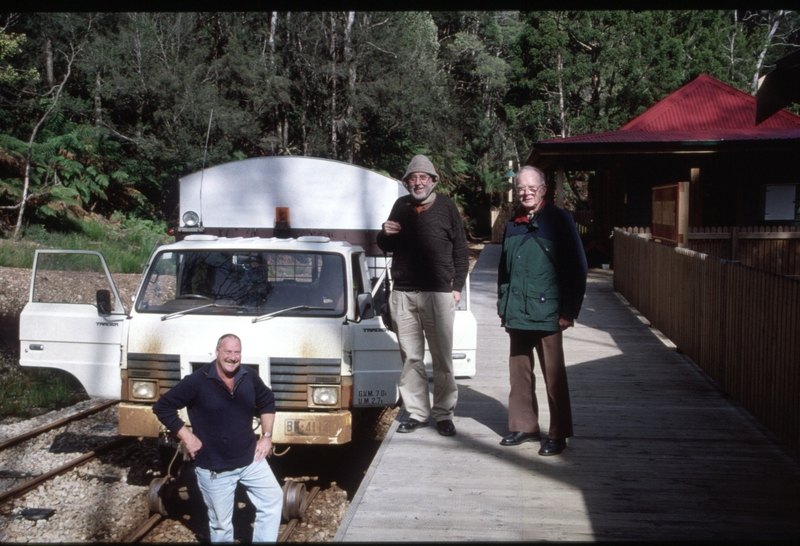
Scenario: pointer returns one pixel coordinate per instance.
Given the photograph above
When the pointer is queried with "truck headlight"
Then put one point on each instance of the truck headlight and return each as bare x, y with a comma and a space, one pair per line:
190, 218
325, 396
143, 390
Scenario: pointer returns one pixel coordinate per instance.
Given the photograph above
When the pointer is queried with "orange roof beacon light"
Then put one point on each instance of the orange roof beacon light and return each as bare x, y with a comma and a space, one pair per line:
283, 227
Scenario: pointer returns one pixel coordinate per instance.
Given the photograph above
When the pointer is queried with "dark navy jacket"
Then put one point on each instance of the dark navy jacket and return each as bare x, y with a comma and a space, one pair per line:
534, 290
222, 420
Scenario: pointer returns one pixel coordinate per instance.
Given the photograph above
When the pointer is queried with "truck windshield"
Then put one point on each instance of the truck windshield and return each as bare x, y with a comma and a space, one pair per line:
249, 283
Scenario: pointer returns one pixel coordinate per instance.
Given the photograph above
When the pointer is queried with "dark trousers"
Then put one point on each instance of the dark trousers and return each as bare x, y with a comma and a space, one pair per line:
523, 409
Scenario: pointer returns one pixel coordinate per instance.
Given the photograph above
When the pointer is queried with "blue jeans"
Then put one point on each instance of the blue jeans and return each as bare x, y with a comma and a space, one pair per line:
218, 489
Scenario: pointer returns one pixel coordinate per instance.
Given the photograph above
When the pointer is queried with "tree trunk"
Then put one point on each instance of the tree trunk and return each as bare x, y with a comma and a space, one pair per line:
48, 62
351, 86
27, 178
98, 101
334, 147
273, 25
270, 73
563, 113
732, 41
772, 30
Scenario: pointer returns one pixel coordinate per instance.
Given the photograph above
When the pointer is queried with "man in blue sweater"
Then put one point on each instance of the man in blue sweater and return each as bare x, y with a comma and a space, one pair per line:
222, 398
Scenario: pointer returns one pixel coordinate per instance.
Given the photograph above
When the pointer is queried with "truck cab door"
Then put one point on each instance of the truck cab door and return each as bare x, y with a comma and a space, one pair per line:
465, 338
74, 320
376, 354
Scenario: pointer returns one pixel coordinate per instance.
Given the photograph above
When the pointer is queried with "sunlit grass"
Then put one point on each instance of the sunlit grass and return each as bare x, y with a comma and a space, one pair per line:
125, 243
29, 392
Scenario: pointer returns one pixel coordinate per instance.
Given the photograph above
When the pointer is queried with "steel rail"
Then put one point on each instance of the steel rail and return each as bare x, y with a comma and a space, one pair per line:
85, 458
143, 529
56, 424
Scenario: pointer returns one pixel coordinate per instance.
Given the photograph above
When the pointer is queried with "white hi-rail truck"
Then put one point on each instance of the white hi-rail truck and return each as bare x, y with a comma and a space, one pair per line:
277, 250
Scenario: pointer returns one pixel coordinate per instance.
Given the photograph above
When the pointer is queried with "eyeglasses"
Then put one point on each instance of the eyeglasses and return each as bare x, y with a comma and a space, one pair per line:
419, 177
529, 189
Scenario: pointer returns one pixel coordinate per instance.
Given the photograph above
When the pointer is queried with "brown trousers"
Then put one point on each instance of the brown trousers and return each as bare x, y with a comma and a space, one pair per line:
523, 409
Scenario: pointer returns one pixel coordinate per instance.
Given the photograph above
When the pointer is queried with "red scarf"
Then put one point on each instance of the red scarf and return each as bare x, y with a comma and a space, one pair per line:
522, 216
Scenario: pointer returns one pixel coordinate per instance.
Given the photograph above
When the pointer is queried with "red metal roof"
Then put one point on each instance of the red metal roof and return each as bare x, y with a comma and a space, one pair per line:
703, 110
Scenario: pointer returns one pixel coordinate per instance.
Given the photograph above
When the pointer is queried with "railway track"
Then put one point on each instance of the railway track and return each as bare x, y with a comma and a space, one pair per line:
59, 423
40, 477
139, 533
52, 472
102, 495
74, 463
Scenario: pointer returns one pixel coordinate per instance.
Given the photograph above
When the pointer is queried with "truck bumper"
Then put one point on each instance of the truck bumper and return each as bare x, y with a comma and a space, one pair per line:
292, 427
138, 420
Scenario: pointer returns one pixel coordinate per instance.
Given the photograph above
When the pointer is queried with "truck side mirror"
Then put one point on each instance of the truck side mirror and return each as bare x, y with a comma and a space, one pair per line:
366, 307
103, 302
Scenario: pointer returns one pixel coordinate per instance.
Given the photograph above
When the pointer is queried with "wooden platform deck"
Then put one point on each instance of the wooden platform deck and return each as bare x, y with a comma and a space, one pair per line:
658, 454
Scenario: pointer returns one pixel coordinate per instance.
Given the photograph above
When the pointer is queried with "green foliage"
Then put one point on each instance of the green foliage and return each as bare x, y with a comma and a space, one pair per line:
11, 45
31, 392
473, 89
73, 171
125, 242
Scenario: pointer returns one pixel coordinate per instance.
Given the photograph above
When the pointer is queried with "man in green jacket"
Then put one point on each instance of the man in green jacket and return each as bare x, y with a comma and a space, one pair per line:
541, 284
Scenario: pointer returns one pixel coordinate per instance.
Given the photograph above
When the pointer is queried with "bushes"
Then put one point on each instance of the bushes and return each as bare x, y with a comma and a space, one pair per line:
125, 242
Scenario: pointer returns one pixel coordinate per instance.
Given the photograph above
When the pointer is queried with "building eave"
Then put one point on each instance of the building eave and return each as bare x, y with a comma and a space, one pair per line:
546, 152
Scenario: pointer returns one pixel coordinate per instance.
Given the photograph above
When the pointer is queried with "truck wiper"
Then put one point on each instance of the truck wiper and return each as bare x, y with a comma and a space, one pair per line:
296, 307
185, 311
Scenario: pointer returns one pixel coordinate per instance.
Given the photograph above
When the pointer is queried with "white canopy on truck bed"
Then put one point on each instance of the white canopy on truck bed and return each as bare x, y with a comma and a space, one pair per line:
321, 194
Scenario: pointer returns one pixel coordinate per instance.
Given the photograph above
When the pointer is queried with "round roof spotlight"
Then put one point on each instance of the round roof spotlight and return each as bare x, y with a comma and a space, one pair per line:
190, 218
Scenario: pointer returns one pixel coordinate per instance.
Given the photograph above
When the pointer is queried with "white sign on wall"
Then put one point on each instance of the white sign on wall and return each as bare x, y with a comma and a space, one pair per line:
780, 202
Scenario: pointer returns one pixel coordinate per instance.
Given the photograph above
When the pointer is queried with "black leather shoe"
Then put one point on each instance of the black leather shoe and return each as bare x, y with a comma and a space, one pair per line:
553, 447
411, 424
446, 427
517, 438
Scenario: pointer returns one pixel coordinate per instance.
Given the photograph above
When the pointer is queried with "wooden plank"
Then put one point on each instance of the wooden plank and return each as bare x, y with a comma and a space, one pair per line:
744, 235
709, 236
770, 235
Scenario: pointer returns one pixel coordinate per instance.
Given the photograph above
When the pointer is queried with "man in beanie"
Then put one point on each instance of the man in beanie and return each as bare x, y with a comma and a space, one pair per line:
430, 262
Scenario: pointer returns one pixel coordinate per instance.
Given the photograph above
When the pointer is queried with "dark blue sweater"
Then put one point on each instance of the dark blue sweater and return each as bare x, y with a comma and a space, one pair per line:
221, 419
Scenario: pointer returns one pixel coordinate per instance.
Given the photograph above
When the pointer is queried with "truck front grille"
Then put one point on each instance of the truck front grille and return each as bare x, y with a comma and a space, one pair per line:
290, 378
166, 369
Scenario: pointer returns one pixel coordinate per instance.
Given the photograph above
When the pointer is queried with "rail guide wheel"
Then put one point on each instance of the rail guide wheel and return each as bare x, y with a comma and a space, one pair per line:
295, 498
155, 502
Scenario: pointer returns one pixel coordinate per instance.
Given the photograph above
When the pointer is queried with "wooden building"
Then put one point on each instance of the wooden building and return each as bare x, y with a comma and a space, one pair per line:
705, 133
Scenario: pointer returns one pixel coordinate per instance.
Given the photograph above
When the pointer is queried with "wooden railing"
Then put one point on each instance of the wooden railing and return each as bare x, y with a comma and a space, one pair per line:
773, 248
739, 324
